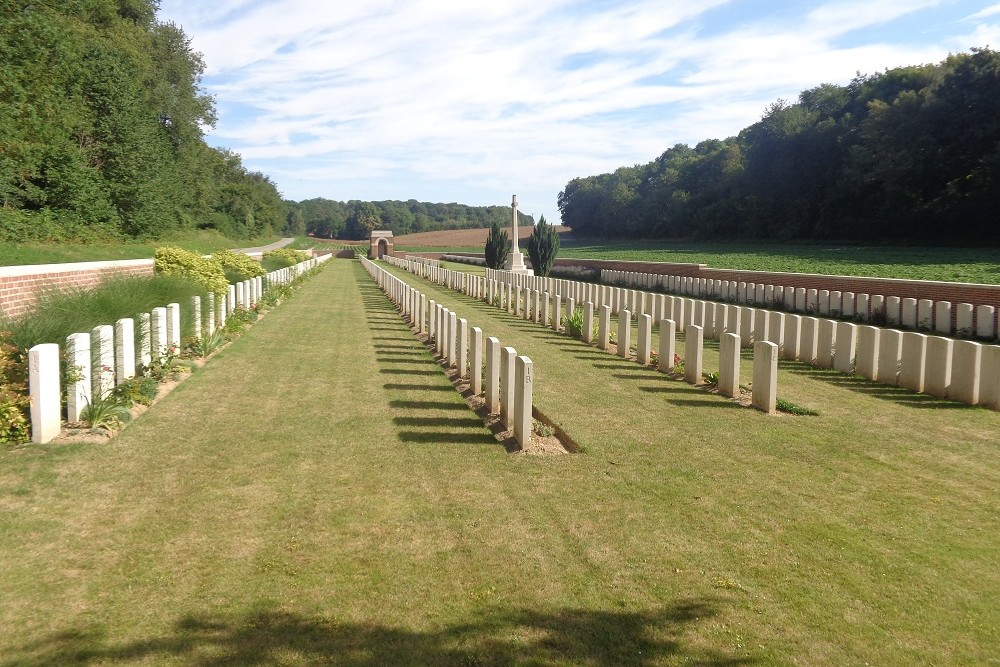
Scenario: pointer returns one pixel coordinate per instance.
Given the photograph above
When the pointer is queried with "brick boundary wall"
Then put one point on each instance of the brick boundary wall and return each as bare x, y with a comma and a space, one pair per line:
21, 285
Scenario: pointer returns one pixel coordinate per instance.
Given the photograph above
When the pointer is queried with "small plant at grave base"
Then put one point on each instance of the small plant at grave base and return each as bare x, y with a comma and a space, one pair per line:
541, 429
108, 412
162, 368
879, 318
783, 405
711, 379
574, 323
206, 345
15, 426
139, 390
678, 366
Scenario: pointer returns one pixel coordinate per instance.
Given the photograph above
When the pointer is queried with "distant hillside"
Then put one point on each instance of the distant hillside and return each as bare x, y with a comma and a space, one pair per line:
460, 238
354, 219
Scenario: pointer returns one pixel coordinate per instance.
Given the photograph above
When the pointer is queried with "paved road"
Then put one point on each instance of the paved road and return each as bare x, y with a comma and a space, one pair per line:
264, 248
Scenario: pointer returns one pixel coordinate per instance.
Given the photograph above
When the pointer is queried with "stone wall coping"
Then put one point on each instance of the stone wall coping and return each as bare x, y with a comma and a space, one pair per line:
25, 270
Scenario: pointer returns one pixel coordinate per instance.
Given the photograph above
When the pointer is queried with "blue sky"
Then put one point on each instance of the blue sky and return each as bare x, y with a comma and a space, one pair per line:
448, 101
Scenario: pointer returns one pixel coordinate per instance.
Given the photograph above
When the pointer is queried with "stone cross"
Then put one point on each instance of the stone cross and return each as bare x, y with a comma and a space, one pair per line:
513, 236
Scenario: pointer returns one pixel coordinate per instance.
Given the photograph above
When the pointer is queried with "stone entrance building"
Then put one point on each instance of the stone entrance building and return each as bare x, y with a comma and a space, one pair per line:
381, 244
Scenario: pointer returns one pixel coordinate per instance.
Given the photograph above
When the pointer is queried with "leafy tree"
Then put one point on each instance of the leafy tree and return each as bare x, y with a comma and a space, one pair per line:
542, 246
365, 217
497, 247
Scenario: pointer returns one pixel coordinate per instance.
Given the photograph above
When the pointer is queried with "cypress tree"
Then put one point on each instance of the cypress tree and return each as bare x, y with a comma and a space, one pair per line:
542, 246
497, 247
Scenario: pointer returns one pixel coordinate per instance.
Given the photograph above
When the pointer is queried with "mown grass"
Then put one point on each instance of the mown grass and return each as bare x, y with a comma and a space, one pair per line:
857, 535
202, 241
58, 314
319, 493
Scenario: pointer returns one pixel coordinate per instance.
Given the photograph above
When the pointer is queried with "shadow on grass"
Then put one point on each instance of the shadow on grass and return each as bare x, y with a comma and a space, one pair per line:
407, 371
448, 437
493, 636
402, 360
856, 383
414, 387
428, 405
453, 422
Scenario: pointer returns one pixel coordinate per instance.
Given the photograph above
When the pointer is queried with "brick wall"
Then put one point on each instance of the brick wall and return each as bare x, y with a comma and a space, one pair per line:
21, 285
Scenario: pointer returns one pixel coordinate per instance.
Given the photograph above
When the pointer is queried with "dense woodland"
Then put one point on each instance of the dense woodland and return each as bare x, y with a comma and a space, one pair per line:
907, 155
101, 129
355, 219
102, 121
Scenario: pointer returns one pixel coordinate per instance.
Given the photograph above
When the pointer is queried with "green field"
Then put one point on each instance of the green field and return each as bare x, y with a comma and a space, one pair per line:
973, 265
319, 493
14, 254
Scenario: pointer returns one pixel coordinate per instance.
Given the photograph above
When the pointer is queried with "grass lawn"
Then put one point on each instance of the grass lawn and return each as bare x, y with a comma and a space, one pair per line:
318, 493
14, 254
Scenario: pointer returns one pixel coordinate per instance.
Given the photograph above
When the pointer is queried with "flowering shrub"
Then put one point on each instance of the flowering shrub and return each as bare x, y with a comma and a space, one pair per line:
14, 403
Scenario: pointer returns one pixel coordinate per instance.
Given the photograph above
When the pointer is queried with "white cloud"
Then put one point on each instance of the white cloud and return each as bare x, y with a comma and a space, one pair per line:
478, 100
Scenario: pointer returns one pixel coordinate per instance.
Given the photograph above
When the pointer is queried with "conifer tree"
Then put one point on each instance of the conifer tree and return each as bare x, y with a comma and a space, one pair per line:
542, 246
497, 247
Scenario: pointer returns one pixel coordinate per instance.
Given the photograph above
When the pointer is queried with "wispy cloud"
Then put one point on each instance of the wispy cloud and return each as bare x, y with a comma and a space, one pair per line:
469, 102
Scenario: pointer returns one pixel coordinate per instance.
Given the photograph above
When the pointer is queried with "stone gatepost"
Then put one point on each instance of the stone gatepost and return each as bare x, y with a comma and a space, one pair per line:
78, 358
693, 353
522, 400
125, 349
729, 365
765, 376
43, 389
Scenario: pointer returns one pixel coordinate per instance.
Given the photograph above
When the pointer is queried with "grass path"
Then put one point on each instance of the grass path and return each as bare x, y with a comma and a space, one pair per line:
319, 493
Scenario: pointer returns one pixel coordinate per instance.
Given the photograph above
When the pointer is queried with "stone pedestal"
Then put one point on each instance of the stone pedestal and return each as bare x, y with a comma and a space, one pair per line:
515, 264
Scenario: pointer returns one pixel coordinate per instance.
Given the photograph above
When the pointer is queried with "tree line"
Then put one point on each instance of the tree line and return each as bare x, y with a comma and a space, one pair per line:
911, 154
355, 219
101, 130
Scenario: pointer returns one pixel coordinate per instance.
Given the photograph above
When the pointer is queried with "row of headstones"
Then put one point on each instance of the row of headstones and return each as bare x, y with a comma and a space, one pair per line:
424, 260
925, 314
110, 355
508, 378
965, 371
538, 305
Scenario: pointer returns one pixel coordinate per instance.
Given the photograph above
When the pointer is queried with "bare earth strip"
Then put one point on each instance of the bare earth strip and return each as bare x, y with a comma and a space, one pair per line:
460, 238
